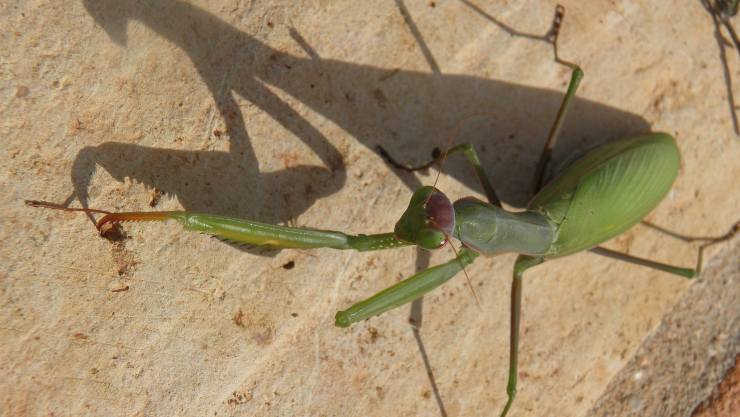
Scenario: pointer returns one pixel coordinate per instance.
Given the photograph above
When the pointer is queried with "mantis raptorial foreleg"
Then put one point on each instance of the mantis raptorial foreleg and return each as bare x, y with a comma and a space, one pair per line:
257, 233
406, 291
242, 231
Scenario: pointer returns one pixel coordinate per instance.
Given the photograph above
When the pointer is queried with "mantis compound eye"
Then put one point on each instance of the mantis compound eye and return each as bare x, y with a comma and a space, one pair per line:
429, 238
428, 220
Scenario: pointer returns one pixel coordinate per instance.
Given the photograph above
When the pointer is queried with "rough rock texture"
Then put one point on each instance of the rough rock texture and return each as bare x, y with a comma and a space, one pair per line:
725, 399
687, 355
272, 111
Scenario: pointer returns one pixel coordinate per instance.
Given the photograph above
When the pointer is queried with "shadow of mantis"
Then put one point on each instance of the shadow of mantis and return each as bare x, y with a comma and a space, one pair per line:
410, 107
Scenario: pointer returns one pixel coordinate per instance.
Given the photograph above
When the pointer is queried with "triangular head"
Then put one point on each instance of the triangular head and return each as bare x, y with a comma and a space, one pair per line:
428, 221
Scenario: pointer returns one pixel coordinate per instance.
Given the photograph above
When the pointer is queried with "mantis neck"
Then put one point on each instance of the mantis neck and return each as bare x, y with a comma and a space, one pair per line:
492, 230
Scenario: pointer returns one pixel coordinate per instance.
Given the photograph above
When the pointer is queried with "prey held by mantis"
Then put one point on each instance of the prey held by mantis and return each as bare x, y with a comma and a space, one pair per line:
599, 196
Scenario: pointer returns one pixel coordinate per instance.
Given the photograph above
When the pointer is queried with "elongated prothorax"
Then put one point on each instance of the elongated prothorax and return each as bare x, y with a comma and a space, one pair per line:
492, 230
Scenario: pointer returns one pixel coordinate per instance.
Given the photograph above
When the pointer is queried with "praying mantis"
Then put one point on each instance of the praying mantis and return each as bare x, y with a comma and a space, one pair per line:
601, 195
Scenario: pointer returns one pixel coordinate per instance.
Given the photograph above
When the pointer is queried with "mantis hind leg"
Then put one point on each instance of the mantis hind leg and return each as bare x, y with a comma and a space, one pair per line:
575, 80
684, 272
522, 263
552, 137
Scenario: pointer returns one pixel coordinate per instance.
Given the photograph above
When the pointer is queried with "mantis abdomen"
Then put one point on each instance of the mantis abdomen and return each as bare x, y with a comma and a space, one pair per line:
608, 191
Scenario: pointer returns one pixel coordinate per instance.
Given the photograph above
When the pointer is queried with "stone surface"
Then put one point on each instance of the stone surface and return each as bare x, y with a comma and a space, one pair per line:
272, 111
687, 355
725, 399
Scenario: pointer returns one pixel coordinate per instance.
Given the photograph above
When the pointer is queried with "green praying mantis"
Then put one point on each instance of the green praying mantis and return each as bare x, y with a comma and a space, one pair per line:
599, 196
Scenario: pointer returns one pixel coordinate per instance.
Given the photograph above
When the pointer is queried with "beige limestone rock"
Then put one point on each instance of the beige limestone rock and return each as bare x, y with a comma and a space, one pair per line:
272, 111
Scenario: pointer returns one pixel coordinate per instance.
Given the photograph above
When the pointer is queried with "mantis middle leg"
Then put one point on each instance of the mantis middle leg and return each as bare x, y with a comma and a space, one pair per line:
438, 156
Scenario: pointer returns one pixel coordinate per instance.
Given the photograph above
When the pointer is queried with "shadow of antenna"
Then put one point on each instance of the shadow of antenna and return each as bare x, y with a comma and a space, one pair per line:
551, 36
418, 37
508, 29
721, 11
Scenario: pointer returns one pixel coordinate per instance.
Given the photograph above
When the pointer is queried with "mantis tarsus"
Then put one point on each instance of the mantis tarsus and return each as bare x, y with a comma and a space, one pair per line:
598, 197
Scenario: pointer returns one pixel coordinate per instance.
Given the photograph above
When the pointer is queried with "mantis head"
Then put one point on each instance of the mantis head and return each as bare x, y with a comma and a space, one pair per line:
429, 219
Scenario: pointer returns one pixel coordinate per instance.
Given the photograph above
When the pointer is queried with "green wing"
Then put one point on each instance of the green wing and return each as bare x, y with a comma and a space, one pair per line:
608, 191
